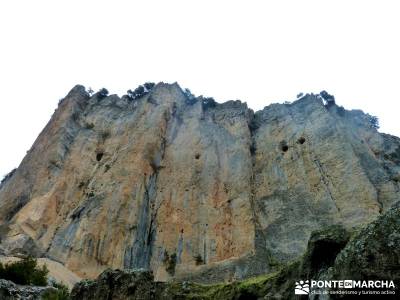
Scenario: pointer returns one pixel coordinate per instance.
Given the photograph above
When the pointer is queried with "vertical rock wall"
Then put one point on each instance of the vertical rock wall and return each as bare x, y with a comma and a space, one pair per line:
193, 188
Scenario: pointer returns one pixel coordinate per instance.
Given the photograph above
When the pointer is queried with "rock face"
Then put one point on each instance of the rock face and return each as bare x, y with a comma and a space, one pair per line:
189, 188
375, 251
371, 254
118, 285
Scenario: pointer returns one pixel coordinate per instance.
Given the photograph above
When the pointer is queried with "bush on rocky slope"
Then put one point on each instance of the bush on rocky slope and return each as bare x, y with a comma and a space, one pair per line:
24, 272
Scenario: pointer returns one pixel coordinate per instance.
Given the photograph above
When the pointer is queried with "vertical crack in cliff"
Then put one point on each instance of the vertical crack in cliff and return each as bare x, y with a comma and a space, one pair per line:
325, 180
140, 253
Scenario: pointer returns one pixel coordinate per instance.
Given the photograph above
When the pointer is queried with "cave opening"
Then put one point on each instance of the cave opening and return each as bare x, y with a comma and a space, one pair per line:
324, 254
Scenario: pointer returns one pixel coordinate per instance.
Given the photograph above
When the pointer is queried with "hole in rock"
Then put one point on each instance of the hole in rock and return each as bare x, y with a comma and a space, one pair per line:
370, 258
283, 145
301, 140
246, 295
197, 156
99, 156
324, 253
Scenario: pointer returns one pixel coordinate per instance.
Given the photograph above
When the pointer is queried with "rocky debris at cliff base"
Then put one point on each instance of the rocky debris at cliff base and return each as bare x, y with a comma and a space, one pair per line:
118, 285
12, 291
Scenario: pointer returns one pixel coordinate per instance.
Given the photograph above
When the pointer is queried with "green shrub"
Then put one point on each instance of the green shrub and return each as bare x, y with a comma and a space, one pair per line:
89, 125
330, 99
208, 102
170, 262
25, 272
149, 85
198, 259
140, 91
102, 93
190, 98
62, 292
373, 121
105, 134
8, 176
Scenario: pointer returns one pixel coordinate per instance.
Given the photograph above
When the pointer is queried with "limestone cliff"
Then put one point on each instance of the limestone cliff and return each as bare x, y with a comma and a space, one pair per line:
333, 253
191, 188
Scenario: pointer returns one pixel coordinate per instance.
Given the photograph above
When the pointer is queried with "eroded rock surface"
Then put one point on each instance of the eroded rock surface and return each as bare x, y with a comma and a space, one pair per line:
188, 187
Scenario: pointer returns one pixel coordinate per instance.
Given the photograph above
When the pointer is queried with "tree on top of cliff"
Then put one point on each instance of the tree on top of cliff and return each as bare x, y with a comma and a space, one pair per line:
190, 98
373, 121
208, 102
140, 91
90, 91
328, 98
8, 176
149, 86
102, 93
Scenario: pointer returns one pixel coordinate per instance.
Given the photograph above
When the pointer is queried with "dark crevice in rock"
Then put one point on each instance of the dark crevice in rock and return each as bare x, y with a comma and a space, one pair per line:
301, 140
99, 156
326, 181
18, 204
394, 156
139, 254
323, 247
284, 146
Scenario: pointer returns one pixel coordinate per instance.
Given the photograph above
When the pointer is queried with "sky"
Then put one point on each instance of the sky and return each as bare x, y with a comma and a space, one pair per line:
260, 52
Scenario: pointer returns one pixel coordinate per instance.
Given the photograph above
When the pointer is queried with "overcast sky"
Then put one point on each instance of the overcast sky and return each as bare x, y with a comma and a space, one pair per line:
257, 51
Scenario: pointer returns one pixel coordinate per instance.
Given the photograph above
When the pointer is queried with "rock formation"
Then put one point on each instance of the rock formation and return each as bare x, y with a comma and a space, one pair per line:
11, 291
190, 188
